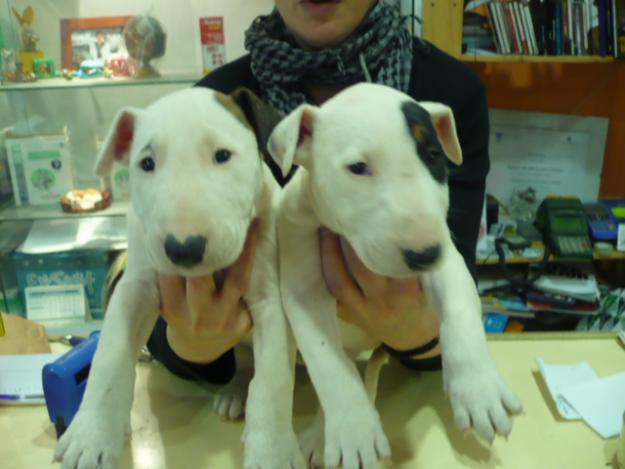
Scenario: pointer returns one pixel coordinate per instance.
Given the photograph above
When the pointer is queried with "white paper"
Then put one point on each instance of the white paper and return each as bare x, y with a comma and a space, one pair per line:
600, 402
551, 153
559, 377
620, 241
49, 302
20, 375
65, 234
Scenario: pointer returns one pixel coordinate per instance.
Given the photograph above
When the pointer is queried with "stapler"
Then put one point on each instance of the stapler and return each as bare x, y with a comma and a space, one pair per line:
65, 380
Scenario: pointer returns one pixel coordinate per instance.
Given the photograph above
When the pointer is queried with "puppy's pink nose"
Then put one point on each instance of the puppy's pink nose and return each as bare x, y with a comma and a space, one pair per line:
420, 260
185, 254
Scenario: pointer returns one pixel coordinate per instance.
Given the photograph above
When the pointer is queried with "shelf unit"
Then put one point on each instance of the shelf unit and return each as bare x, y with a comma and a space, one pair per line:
64, 84
496, 58
38, 212
581, 85
518, 259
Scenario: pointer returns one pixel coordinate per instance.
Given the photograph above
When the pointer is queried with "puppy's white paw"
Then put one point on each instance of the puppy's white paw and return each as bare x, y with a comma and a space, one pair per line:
229, 403
94, 440
271, 449
311, 442
355, 440
481, 400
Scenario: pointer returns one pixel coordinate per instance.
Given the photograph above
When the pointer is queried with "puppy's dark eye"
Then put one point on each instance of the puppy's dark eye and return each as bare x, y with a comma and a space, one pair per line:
222, 156
147, 164
434, 153
359, 169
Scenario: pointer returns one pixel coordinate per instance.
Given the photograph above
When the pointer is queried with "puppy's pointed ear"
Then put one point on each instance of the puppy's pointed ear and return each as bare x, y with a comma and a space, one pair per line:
260, 116
445, 125
290, 141
117, 144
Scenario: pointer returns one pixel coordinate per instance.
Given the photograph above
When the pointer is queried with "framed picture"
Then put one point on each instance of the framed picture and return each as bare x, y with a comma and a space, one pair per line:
98, 39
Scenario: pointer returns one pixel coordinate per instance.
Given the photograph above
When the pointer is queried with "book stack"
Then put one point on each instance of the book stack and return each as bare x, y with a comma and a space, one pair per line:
549, 27
568, 292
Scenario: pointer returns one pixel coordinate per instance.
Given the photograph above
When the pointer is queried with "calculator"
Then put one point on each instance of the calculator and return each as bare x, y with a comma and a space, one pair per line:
564, 227
601, 223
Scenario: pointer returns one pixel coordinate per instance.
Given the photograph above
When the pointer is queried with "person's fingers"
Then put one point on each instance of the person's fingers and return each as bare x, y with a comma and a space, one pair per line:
200, 297
370, 283
335, 273
405, 287
237, 276
241, 322
172, 290
354, 316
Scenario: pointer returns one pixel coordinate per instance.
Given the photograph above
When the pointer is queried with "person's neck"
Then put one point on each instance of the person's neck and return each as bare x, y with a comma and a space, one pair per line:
321, 93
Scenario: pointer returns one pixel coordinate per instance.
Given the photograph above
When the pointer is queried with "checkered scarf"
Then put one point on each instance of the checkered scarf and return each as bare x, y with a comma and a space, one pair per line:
378, 51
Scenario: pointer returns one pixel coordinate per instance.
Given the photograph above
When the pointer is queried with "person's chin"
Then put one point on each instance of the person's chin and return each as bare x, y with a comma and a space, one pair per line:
323, 36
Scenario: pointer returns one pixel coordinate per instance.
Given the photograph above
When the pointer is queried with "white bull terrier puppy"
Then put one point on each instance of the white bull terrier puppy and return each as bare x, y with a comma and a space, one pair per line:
374, 170
197, 181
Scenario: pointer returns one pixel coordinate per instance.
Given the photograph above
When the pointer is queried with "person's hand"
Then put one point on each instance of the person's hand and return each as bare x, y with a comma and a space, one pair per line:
393, 311
205, 319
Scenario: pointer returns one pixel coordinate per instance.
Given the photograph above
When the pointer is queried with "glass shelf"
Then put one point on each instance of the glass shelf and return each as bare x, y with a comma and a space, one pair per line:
38, 212
62, 83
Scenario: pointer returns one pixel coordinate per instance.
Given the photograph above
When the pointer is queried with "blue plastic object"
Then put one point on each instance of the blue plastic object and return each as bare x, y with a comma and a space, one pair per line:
65, 380
495, 322
601, 223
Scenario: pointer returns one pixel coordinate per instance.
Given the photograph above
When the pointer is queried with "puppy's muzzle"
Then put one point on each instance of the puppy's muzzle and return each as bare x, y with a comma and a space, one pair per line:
185, 254
420, 260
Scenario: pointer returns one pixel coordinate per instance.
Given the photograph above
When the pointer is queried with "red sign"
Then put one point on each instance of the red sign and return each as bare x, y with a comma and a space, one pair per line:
213, 43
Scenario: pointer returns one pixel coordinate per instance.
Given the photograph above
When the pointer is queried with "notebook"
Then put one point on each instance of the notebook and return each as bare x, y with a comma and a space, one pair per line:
20, 378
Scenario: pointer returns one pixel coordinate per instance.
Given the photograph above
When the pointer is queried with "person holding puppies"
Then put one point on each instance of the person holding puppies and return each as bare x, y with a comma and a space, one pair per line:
307, 51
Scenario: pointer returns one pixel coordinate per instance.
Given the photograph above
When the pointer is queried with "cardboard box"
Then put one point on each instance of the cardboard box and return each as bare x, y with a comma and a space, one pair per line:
40, 167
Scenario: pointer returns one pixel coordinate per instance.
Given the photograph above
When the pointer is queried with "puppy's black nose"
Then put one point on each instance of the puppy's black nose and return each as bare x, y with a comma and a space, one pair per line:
185, 254
419, 260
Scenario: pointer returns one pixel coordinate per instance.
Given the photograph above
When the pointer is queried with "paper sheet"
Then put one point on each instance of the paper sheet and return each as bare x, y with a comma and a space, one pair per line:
20, 375
551, 153
559, 377
601, 403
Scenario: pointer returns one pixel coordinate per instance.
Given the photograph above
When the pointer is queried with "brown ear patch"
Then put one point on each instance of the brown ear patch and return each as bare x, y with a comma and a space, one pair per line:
232, 107
420, 133
428, 147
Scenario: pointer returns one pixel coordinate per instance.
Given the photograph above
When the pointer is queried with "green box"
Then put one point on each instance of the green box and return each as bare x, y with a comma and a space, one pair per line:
44, 68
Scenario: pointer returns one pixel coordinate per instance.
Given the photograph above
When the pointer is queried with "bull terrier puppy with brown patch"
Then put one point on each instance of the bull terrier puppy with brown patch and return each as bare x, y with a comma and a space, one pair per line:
197, 180
374, 170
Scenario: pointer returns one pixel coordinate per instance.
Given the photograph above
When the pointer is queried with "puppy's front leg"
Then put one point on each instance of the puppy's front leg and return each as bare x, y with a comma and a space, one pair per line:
353, 432
270, 440
479, 396
95, 437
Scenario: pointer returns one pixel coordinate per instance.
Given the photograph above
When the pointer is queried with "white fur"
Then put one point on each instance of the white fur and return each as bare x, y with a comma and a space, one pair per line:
399, 206
188, 194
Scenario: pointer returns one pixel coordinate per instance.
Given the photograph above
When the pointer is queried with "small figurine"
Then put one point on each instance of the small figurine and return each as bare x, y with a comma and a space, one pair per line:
29, 37
29, 51
9, 65
44, 68
68, 74
120, 66
145, 40
91, 69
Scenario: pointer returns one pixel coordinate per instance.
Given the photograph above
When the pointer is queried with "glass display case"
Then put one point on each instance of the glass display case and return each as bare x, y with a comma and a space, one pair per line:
66, 68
